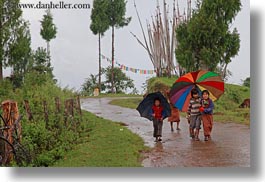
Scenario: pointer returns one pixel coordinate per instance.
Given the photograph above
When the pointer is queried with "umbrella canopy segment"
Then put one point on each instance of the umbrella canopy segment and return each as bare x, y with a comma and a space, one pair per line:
145, 107
201, 80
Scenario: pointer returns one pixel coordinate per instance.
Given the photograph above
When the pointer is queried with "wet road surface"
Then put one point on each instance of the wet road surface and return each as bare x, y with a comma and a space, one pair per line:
229, 147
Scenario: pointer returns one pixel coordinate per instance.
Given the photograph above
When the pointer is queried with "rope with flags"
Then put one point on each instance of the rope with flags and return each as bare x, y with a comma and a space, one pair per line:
126, 68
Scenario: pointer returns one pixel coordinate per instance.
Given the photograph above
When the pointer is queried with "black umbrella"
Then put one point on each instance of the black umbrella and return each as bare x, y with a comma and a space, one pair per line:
146, 105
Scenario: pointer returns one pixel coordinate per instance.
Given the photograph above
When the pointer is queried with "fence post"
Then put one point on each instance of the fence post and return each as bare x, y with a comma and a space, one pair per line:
69, 111
65, 113
10, 115
79, 105
57, 105
28, 111
71, 107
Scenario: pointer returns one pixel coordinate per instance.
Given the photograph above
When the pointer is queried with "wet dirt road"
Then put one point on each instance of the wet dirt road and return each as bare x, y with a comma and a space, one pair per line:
229, 147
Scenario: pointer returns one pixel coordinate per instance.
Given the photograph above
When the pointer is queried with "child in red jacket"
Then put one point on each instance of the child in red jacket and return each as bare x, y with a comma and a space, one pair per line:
158, 116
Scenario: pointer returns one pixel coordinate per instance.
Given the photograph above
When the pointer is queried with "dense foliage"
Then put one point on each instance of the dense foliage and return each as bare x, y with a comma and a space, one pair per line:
10, 23
122, 83
246, 82
46, 141
207, 41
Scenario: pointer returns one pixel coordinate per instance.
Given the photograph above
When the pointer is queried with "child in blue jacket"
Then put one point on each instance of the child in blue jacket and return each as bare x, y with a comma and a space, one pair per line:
206, 110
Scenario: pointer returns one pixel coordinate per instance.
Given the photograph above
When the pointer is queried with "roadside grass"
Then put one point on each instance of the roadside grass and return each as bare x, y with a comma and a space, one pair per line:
131, 103
104, 144
240, 115
112, 95
226, 108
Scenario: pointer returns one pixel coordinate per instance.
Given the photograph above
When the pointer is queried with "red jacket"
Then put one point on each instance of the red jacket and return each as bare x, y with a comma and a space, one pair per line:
158, 111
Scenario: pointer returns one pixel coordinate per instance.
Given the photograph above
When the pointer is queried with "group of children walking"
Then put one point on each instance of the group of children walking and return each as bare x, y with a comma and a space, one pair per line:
200, 109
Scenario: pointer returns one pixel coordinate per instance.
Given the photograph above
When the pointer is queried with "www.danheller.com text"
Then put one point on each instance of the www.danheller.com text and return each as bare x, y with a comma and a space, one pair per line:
53, 5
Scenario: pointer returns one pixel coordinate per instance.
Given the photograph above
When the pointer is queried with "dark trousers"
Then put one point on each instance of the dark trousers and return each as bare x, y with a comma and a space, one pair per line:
157, 127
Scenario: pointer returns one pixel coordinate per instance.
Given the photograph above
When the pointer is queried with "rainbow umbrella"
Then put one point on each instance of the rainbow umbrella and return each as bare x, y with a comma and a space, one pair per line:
201, 80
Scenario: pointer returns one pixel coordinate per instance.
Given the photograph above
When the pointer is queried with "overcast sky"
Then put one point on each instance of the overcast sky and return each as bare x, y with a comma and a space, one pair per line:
75, 50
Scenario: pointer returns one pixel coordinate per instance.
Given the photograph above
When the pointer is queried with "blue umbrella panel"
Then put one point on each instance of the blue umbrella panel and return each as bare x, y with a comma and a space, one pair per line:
145, 107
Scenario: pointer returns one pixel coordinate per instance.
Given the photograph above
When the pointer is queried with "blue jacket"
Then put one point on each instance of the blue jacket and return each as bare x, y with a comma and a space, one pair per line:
208, 109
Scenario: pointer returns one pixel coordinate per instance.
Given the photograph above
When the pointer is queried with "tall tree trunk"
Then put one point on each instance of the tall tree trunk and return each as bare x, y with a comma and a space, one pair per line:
1, 51
168, 70
99, 64
112, 62
1, 69
48, 52
157, 75
203, 66
224, 71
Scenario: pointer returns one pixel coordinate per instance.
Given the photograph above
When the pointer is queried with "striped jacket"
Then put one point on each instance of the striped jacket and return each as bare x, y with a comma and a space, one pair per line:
194, 106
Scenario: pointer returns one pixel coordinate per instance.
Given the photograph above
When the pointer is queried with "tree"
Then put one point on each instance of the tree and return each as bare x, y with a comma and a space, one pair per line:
20, 53
9, 21
120, 83
206, 41
246, 82
99, 25
48, 29
225, 76
116, 13
40, 62
39, 69
90, 84
134, 91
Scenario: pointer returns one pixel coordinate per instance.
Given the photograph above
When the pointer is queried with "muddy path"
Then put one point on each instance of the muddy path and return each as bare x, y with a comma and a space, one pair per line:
230, 144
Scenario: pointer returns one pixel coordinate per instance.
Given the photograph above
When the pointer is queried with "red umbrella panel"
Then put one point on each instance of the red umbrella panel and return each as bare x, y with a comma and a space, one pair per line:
201, 80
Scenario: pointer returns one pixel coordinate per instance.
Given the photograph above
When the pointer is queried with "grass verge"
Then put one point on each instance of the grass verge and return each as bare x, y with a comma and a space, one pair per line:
113, 95
131, 103
105, 144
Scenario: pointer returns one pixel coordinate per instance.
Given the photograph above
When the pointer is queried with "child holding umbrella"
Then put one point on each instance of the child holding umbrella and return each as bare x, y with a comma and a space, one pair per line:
158, 115
155, 108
